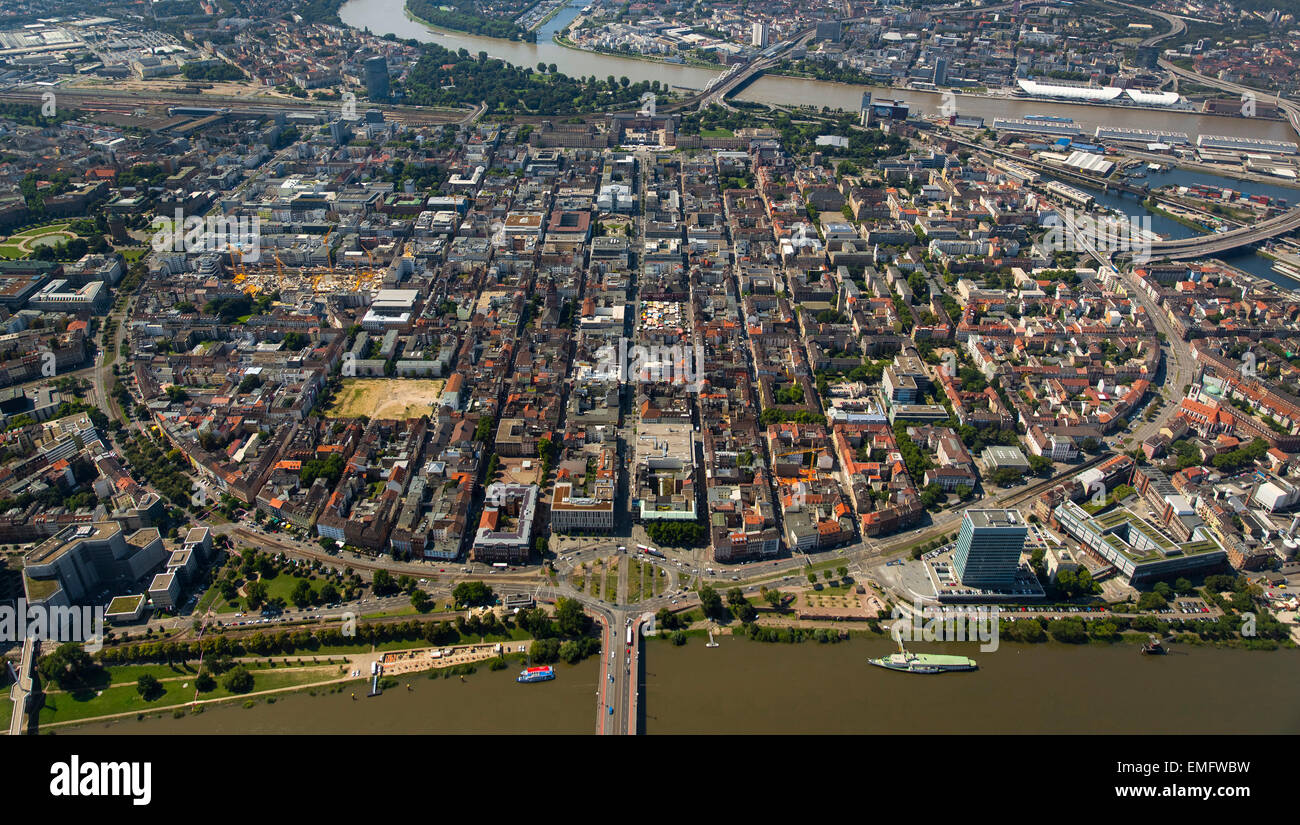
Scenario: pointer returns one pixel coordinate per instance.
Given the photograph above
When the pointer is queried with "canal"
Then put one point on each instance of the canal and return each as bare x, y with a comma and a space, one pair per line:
1243, 259
752, 687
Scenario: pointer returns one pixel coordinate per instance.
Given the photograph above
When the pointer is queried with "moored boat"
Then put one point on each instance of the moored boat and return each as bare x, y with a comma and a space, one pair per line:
1154, 648
536, 674
923, 662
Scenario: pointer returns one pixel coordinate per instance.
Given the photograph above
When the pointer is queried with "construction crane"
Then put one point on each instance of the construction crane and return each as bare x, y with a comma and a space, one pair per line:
368, 273
804, 451
236, 257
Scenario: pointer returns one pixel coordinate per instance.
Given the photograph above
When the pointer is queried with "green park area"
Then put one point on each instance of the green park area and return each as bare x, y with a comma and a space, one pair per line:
116, 689
279, 590
23, 244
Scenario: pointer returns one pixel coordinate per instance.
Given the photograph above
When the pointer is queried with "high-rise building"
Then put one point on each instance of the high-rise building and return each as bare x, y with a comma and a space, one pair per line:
760, 35
989, 547
940, 71
829, 30
376, 74
865, 111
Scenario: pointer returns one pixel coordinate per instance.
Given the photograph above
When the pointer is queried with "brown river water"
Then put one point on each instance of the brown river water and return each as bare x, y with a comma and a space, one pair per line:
751, 687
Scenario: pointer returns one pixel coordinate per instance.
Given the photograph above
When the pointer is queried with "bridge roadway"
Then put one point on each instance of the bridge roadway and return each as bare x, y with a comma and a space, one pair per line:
1197, 246
718, 94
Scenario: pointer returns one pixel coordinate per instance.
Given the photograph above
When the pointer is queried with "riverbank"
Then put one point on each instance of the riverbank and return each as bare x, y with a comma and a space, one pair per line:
466, 699
410, 15
560, 40
458, 661
1154, 208
561, 6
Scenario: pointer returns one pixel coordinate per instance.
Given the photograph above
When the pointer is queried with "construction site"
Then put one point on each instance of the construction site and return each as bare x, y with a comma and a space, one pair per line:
326, 271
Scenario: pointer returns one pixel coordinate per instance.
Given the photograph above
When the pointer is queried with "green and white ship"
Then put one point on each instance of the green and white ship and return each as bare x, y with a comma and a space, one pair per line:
923, 662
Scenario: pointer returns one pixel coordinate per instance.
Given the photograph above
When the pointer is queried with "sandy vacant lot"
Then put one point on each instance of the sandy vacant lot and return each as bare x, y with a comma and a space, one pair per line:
398, 398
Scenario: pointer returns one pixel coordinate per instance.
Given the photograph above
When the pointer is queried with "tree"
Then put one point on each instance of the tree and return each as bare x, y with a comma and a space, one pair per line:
665, 619
472, 593
204, 683
1005, 476
570, 651
149, 687
256, 593
238, 680
711, 602
735, 597
68, 666
382, 583
1152, 601
1070, 631
570, 619
774, 598
329, 593
420, 601
677, 533
301, 595
1040, 465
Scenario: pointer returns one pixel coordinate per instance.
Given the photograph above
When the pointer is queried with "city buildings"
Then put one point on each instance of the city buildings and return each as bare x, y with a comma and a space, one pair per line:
988, 548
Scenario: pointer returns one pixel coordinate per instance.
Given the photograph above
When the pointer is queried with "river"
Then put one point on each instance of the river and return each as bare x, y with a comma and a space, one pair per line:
751, 687
747, 687
389, 16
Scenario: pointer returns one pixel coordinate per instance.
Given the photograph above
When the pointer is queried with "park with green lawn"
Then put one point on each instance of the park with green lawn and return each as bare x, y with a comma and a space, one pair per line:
23, 244
141, 688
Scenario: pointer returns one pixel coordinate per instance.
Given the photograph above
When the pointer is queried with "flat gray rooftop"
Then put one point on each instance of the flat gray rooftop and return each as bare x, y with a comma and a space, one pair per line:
995, 518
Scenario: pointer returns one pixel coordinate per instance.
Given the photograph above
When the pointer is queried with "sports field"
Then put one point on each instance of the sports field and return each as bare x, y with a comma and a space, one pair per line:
398, 398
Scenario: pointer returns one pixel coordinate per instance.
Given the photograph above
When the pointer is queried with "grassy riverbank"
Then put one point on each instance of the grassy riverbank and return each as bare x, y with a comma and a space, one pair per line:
561, 40
120, 695
1155, 209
